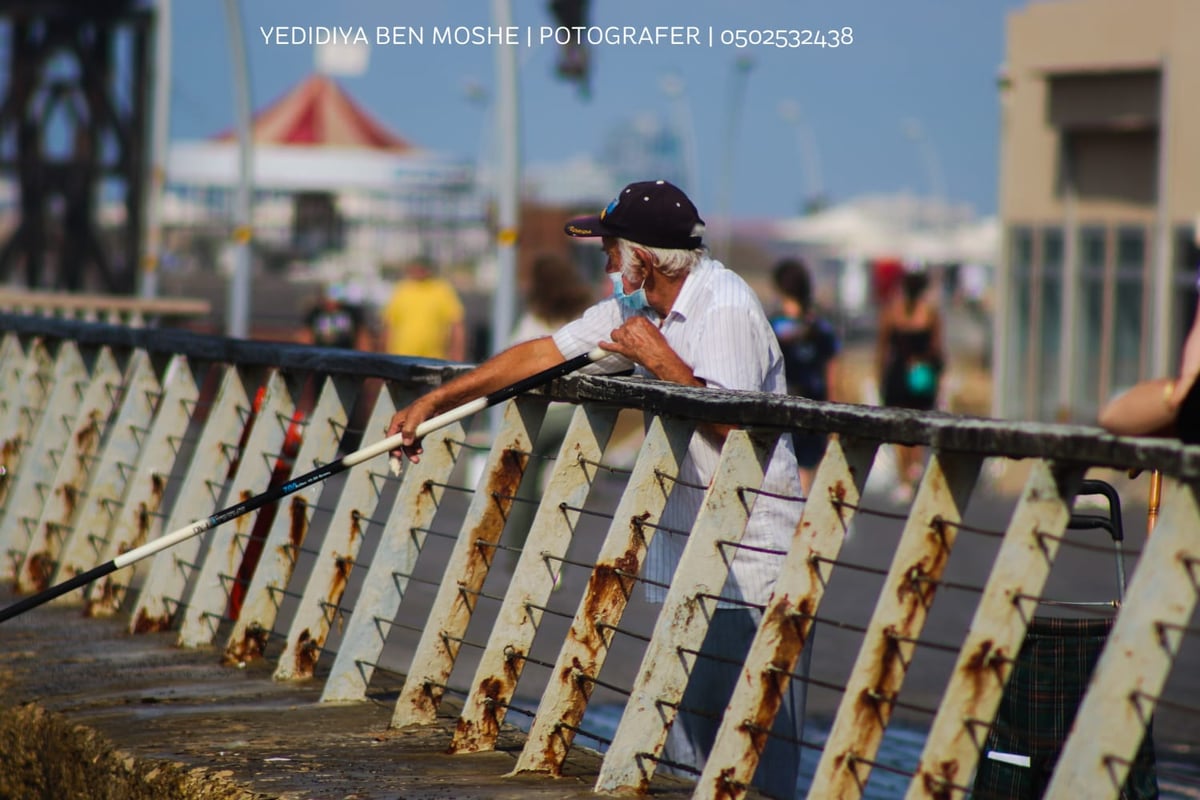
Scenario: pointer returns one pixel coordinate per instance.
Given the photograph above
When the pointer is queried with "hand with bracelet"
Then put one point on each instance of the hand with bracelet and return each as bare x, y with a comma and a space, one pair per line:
1162, 406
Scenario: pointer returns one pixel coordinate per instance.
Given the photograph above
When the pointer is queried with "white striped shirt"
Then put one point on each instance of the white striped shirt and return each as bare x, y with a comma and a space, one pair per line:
717, 326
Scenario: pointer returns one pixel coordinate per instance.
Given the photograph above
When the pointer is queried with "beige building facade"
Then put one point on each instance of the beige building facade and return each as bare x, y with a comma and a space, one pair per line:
1099, 199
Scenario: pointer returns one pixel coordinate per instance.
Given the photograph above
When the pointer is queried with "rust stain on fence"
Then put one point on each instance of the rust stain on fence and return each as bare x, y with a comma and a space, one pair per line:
608, 592
297, 529
985, 660
70, 497
88, 438
145, 511
727, 788
940, 785
502, 486
466, 732
107, 600
252, 645
239, 525
9, 450
791, 627
148, 624
39, 569
502, 483
308, 650
101, 602
342, 565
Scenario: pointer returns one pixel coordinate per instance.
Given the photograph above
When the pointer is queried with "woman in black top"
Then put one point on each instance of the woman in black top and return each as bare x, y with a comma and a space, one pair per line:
909, 360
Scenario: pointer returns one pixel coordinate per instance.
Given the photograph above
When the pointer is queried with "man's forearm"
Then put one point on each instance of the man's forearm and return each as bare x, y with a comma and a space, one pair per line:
503, 369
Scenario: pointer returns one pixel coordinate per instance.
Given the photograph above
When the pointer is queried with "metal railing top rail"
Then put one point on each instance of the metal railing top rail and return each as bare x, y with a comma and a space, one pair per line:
246, 352
1079, 444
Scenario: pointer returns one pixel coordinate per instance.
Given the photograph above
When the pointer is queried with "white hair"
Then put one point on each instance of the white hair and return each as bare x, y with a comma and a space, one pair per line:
668, 261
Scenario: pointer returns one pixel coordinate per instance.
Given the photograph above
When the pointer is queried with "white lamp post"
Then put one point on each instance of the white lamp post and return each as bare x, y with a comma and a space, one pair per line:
737, 97
237, 322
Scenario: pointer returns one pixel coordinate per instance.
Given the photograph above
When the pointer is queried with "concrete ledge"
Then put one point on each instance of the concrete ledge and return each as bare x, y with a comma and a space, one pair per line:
238, 734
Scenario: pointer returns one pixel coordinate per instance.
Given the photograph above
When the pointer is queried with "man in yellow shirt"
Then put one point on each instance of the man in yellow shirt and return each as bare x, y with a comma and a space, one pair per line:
424, 316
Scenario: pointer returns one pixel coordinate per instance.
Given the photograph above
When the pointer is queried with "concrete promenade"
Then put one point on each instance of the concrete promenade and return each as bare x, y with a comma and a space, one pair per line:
253, 737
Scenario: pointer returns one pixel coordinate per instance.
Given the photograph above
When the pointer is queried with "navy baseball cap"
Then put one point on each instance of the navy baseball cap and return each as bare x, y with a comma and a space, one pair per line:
653, 213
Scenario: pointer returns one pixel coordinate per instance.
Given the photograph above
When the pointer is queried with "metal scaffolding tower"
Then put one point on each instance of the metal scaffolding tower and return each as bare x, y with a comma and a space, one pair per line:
73, 131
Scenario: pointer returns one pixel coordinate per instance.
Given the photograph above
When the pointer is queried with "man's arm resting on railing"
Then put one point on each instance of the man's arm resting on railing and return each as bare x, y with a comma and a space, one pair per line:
505, 368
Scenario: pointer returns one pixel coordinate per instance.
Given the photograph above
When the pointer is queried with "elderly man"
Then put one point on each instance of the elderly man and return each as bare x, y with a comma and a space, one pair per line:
677, 315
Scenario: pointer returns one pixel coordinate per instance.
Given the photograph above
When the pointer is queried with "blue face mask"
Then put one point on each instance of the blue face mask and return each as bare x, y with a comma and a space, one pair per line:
635, 301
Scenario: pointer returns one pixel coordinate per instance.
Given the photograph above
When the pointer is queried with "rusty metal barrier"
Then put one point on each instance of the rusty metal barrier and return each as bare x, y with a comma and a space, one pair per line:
418, 588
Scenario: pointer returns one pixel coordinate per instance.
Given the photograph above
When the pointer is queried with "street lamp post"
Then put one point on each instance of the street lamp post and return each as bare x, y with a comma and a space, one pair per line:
159, 135
507, 182
737, 98
237, 322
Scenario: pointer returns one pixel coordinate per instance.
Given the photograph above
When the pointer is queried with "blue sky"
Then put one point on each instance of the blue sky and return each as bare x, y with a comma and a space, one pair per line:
931, 64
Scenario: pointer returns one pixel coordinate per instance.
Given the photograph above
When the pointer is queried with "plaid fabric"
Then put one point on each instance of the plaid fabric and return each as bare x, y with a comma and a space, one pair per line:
1041, 699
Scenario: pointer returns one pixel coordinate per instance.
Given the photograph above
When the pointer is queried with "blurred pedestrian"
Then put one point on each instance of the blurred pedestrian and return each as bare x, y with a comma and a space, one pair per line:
424, 316
332, 321
810, 348
909, 359
555, 293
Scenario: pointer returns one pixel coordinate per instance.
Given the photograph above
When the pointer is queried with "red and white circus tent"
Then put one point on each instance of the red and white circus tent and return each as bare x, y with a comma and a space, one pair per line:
318, 112
375, 195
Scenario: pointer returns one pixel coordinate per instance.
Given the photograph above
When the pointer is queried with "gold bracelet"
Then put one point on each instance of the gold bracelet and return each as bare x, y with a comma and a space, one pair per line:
1169, 392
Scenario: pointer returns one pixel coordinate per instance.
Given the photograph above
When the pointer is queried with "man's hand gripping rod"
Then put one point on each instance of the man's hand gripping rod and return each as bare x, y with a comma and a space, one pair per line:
319, 474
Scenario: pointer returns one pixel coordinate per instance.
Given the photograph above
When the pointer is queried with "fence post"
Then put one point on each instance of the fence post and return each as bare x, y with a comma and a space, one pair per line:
281, 548
470, 560
25, 388
682, 622
900, 612
137, 518
86, 424
203, 491
788, 618
600, 610
533, 579
358, 506
40, 457
985, 659
208, 596
111, 472
392, 564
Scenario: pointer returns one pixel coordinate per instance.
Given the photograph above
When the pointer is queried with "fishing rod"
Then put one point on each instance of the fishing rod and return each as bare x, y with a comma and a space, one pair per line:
319, 474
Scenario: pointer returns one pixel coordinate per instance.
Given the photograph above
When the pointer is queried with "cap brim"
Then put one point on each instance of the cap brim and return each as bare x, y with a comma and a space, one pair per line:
588, 227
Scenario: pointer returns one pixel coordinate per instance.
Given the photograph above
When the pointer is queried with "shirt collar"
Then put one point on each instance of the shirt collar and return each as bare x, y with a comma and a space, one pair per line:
691, 295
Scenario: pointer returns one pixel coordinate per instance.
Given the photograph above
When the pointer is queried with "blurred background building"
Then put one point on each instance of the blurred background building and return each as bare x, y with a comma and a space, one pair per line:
1099, 197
